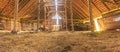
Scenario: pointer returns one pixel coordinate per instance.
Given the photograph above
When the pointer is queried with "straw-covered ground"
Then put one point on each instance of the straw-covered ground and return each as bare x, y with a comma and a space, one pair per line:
60, 42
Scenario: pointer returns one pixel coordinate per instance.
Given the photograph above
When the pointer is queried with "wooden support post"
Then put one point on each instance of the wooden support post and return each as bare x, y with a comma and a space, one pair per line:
45, 16
32, 26
21, 25
15, 17
90, 15
71, 11
66, 21
38, 18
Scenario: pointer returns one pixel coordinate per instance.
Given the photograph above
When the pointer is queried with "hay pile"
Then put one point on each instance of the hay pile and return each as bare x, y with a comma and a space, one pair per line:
60, 42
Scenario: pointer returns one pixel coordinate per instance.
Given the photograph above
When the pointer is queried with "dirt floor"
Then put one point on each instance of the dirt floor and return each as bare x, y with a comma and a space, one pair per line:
108, 41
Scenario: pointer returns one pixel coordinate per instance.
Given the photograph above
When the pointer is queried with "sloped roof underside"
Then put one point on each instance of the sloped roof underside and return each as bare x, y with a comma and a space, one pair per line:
28, 8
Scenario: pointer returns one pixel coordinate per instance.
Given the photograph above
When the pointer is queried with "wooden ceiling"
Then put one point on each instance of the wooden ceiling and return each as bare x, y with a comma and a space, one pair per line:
28, 8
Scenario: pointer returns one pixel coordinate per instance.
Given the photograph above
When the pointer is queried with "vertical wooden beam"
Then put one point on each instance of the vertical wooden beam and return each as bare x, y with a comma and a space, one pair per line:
15, 17
21, 24
90, 15
45, 16
66, 22
71, 11
38, 18
32, 26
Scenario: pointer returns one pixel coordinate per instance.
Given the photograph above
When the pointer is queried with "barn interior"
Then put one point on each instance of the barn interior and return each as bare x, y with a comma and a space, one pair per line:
84, 24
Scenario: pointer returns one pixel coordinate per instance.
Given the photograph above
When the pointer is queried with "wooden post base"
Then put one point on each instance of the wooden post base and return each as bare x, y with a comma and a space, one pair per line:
14, 32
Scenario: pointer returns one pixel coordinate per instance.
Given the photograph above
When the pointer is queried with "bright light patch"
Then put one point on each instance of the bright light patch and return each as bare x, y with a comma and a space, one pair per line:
97, 25
56, 5
117, 19
57, 18
57, 25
